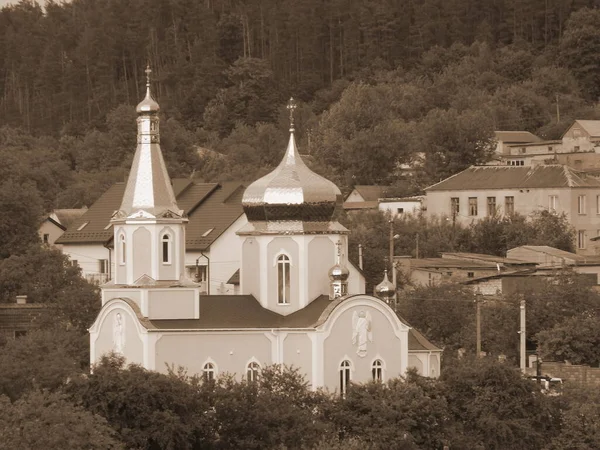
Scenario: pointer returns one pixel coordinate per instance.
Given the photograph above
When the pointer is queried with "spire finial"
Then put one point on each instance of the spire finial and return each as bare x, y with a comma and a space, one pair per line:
338, 244
148, 72
291, 106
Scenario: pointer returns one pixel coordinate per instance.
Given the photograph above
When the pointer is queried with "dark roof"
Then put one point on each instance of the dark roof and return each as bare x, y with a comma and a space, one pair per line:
450, 263
516, 136
515, 177
207, 205
235, 278
67, 216
17, 317
371, 193
244, 311
485, 258
361, 205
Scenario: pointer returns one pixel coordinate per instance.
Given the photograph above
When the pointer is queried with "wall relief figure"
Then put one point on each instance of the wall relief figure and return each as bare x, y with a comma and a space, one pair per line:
361, 331
119, 333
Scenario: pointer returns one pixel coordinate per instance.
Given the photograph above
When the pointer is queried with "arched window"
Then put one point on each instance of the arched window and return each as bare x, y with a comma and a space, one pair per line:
344, 376
209, 372
377, 370
122, 248
166, 249
283, 279
252, 371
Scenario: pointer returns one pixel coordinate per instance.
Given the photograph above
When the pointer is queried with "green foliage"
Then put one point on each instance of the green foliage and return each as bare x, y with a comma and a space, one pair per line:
48, 420
44, 359
575, 340
580, 420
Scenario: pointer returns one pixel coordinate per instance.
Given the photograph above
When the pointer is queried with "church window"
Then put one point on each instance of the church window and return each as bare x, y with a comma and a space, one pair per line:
252, 371
283, 279
344, 377
377, 370
122, 248
166, 249
209, 372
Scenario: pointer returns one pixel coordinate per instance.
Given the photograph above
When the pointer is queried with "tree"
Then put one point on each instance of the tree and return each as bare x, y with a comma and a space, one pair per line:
48, 420
575, 340
580, 420
497, 407
43, 359
553, 230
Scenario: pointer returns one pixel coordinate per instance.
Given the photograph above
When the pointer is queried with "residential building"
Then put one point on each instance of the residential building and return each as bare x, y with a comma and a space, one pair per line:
504, 139
56, 223
482, 191
17, 319
295, 306
380, 197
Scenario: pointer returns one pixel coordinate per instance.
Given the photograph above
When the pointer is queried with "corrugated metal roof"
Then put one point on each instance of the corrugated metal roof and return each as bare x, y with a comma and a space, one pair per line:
208, 205
516, 177
516, 136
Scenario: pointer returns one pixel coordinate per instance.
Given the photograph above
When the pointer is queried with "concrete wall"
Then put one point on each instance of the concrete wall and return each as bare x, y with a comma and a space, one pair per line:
408, 207
103, 342
88, 257
585, 376
321, 257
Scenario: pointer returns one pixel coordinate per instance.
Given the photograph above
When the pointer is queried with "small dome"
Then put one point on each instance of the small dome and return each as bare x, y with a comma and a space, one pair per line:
148, 105
291, 192
385, 290
339, 273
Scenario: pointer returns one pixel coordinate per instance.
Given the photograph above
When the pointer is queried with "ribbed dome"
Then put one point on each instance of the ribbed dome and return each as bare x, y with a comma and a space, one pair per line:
291, 192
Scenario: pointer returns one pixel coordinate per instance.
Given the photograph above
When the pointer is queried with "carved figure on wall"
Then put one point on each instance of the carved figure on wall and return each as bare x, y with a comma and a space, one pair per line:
361, 331
118, 333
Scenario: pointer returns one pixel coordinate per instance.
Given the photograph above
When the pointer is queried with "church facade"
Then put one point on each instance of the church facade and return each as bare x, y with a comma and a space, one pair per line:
294, 307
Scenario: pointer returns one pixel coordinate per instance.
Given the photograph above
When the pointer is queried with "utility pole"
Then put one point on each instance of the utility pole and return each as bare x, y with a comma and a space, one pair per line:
523, 336
360, 256
417, 247
557, 110
478, 323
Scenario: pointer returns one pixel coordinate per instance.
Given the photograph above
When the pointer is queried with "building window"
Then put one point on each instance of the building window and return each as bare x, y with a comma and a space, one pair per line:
166, 249
576, 148
20, 333
74, 263
472, 206
377, 370
581, 204
454, 206
470, 274
209, 372
344, 377
400, 210
509, 205
252, 371
46, 238
103, 265
523, 149
597, 204
553, 203
283, 280
581, 238
122, 249
491, 206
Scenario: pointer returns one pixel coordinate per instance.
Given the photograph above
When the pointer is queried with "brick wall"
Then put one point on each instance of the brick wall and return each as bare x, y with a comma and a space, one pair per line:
571, 373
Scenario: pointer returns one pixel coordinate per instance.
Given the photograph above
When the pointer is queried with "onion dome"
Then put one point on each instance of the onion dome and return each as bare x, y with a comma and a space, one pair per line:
292, 191
148, 105
339, 273
385, 290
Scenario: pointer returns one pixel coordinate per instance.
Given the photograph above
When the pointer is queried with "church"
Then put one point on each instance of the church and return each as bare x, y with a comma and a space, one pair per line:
295, 307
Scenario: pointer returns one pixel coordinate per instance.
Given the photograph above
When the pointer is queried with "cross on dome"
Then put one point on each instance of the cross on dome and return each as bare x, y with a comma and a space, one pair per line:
338, 244
148, 72
291, 106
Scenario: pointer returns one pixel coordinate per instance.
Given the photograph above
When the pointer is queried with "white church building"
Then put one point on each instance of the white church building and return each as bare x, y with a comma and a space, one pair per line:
294, 308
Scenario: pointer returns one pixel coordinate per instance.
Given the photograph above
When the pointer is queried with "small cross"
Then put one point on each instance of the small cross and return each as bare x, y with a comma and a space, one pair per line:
291, 106
148, 72
338, 244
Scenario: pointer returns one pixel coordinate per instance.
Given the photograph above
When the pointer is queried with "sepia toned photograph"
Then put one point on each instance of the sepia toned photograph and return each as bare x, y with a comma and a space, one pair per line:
309, 225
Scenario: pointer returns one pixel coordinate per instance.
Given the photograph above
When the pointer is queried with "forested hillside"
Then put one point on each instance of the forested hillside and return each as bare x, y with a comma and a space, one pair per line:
379, 84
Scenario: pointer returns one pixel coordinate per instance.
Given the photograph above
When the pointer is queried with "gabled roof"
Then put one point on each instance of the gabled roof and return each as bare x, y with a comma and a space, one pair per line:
515, 177
484, 258
371, 193
591, 127
208, 206
516, 136
65, 217
555, 252
443, 264
16, 317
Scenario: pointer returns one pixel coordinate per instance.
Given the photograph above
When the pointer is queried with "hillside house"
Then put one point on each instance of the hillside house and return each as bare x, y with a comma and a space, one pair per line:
482, 191
56, 223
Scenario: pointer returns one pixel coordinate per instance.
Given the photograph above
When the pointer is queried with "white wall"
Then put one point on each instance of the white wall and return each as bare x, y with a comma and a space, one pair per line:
88, 257
408, 207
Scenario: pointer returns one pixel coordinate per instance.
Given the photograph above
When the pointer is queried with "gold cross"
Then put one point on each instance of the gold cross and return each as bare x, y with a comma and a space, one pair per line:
291, 106
148, 72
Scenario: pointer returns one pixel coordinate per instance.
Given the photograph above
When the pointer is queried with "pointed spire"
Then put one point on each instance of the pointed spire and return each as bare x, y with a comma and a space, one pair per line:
291, 106
148, 105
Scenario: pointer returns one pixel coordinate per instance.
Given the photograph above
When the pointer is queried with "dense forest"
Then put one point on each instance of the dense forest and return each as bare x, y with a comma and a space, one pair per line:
380, 85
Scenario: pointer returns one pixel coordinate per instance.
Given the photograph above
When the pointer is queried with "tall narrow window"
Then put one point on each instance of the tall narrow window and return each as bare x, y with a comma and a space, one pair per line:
344, 377
122, 248
283, 279
491, 206
552, 203
166, 249
472, 206
597, 204
103, 265
252, 371
509, 205
209, 372
377, 370
581, 238
581, 204
454, 206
